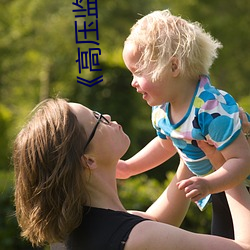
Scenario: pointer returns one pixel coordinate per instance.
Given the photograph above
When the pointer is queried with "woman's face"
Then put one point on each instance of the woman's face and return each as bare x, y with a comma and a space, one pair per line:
109, 138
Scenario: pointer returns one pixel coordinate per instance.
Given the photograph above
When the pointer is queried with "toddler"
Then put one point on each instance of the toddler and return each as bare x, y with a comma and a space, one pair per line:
170, 59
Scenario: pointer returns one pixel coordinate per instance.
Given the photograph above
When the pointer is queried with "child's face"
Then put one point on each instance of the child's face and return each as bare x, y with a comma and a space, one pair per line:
152, 92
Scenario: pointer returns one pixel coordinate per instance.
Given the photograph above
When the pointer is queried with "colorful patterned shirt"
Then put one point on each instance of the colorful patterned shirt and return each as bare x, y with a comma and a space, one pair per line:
213, 115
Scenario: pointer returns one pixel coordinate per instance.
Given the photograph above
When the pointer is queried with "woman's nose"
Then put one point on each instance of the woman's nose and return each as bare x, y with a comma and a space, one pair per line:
108, 117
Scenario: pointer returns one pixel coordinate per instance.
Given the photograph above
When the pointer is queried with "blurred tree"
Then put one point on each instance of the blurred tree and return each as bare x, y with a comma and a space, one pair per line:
38, 54
5, 123
228, 22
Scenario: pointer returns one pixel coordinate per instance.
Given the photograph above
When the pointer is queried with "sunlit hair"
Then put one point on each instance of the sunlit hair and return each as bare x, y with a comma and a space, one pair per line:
160, 36
49, 186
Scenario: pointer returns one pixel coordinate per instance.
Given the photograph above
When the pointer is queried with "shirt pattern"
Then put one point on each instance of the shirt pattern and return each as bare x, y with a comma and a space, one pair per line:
213, 115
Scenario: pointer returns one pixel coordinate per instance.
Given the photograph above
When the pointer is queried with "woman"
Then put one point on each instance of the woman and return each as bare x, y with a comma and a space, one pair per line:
65, 166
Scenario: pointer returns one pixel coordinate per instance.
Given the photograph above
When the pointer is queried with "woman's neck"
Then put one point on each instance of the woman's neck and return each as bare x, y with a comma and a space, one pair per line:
102, 189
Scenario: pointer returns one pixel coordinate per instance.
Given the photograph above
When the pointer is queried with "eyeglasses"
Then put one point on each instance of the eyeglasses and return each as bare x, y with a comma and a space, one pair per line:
100, 118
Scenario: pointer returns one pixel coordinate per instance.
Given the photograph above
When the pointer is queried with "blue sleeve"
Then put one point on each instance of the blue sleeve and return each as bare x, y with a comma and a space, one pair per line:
158, 121
219, 120
162, 136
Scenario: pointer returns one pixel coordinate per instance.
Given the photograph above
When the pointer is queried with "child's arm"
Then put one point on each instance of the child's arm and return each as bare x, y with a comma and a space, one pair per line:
153, 154
234, 171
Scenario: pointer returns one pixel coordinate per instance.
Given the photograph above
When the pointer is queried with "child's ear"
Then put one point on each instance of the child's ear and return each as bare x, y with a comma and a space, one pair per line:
175, 66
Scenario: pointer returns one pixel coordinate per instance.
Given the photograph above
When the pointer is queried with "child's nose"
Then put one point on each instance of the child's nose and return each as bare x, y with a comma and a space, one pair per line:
134, 83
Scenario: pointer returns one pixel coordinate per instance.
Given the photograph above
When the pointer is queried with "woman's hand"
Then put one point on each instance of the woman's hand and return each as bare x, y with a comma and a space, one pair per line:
245, 124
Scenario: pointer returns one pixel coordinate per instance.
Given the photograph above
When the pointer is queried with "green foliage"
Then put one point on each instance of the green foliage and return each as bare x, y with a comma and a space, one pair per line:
245, 103
5, 124
38, 53
139, 192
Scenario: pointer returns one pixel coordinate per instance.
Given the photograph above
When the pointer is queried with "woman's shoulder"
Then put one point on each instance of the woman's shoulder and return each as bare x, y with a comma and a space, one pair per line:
110, 227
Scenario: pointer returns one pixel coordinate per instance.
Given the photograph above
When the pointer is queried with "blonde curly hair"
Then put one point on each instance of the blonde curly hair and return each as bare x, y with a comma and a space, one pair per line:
49, 184
160, 36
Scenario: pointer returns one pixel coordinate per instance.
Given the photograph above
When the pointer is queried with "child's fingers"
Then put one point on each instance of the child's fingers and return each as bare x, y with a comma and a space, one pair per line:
194, 195
184, 183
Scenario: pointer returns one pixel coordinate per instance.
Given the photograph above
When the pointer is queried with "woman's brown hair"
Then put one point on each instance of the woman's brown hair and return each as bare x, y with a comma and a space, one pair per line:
49, 186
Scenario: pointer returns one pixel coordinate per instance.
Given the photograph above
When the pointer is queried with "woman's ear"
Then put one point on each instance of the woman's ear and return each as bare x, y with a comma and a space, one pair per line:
175, 66
89, 161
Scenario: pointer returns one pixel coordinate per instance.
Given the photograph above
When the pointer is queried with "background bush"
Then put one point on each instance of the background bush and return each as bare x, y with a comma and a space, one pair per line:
38, 53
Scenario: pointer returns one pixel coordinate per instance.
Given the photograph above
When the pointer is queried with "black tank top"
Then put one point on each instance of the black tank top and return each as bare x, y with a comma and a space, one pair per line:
102, 229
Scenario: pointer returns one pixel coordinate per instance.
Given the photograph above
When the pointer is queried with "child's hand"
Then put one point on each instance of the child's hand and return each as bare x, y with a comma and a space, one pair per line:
122, 170
194, 187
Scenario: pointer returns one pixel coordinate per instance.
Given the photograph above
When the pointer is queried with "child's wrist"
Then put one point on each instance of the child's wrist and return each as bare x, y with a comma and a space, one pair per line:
128, 169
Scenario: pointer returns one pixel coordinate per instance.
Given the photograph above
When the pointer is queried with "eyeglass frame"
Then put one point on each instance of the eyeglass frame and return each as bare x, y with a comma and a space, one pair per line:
100, 118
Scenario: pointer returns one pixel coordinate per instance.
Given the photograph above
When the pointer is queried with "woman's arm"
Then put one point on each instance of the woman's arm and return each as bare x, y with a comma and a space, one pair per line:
160, 236
171, 207
239, 203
